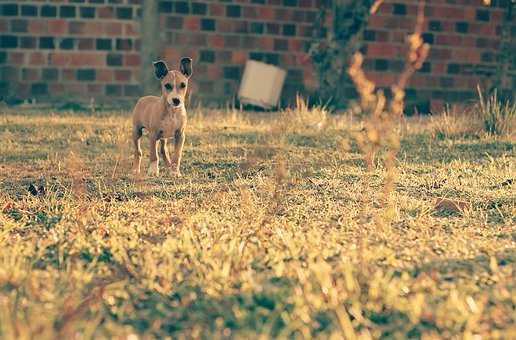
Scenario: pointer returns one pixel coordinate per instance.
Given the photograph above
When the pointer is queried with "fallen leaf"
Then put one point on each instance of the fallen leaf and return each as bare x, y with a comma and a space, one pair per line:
451, 205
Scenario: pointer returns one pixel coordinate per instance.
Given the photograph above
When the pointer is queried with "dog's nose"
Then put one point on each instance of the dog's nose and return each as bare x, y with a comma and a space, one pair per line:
176, 101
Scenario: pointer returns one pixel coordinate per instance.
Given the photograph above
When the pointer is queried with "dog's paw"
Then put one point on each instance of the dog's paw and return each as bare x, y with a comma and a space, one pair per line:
175, 173
153, 169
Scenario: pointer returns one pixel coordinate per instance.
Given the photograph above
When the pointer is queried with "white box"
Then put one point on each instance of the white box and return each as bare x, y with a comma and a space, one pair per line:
261, 84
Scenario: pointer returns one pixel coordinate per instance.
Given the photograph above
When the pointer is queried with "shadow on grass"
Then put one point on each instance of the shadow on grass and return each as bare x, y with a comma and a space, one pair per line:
189, 307
424, 149
456, 269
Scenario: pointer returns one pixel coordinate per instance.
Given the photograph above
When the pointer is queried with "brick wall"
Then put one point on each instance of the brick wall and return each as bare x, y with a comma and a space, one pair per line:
90, 48
465, 39
69, 49
221, 36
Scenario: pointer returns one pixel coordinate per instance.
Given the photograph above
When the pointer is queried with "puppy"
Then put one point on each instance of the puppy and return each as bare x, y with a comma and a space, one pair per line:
163, 117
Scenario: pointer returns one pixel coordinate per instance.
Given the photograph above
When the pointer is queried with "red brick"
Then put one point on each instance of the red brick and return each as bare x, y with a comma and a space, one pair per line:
68, 74
305, 3
449, 12
305, 60
296, 45
250, 12
132, 60
95, 89
37, 58
56, 89
214, 72
239, 57
92, 28
217, 9
266, 43
448, 26
419, 81
122, 75
377, 21
470, 13
106, 12
87, 59
266, 13
113, 28
448, 40
104, 75
57, 26
466, 55
289, 59
216, 41
399, 37
376, 50
460, 82
224, 25
31, 74
407, 24
75, 88
171, 54
16, 58
3, 26
86, 44
381, 78
38, 26
483, 29
497, 16
240, 27
191, 23
23, 90
438, 68
132, 29
60, 59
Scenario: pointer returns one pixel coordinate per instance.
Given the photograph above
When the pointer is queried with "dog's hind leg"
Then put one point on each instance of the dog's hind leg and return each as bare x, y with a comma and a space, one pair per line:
137, 135
153, 148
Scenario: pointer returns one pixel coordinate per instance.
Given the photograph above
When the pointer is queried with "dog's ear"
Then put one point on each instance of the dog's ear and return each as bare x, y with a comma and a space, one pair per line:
186, 67
160, 69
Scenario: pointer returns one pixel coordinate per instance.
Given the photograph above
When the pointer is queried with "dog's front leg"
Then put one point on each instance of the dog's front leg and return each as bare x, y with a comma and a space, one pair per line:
137, 135
179, 141
164, 152
153, 145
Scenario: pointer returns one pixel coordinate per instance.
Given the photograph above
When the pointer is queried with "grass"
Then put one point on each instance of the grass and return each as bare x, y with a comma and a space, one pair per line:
499, 116
270, 232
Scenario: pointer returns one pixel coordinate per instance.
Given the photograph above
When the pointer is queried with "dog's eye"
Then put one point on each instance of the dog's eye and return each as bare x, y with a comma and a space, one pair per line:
182, 85
168, 87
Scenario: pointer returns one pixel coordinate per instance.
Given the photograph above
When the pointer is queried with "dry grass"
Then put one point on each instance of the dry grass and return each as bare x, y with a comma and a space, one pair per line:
453, 123
499, 117
262, 236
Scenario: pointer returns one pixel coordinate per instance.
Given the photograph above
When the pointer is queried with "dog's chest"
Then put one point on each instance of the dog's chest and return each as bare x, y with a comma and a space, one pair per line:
170, 123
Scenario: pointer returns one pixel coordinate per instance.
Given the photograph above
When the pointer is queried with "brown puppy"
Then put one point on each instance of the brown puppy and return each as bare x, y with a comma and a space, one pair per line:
163, 117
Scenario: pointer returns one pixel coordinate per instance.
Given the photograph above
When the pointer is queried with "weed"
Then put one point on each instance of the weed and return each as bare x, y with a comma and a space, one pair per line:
499, 117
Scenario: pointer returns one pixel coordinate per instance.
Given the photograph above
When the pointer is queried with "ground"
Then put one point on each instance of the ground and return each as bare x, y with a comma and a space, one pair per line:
276, 229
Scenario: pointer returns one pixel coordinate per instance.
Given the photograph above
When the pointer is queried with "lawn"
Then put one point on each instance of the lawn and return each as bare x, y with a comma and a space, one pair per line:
272, 231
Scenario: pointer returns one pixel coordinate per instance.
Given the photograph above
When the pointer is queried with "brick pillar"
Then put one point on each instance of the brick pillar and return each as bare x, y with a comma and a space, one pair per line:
150, 44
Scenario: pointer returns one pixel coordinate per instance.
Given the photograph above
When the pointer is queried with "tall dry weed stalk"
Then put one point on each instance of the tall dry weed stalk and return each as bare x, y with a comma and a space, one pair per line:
381, 116
77, 172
